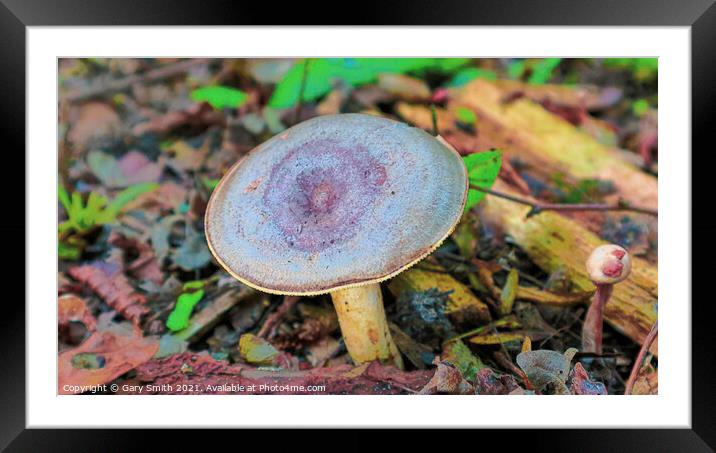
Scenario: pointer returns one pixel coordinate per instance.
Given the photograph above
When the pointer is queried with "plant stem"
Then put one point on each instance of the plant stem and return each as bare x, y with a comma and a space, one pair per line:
538, 207
434, 116
299, 105
648, 341
593, 322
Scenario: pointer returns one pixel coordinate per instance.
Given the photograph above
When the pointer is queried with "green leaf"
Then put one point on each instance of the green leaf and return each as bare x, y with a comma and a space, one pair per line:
467, 116
127, 195
210, 183
640, 107
516, 68
220, 97
482, 170
641, 68
323, 72
64, 197
464, 76
179, 317
542, 71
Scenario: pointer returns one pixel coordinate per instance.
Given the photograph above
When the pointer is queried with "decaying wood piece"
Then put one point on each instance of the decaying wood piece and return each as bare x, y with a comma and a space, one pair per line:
205, 319
525, 130
462, 304
552, 240
188, 373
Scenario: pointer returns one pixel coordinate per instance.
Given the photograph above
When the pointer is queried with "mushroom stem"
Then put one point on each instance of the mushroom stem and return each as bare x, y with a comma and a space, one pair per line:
592, 329
364, 326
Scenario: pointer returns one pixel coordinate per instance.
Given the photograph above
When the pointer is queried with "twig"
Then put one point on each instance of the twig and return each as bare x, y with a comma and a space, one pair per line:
113, 86
648, 341
538, 207
299, 106
266, 330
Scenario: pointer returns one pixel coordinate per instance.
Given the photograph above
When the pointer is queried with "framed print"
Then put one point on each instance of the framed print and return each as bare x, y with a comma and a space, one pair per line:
409, 226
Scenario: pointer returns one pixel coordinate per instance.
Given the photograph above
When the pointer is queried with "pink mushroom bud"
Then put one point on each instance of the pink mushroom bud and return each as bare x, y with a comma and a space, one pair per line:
607, 265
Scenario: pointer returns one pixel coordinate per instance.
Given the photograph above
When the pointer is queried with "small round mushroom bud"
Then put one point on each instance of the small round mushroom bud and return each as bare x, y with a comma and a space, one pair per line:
336, 205
607, 265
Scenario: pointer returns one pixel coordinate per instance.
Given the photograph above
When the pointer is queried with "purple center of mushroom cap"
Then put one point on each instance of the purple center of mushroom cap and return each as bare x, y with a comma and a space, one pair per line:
320, 193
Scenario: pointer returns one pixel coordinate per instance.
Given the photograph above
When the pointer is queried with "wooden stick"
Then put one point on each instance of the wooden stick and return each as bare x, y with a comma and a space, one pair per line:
640, 359
113, 86
538, 206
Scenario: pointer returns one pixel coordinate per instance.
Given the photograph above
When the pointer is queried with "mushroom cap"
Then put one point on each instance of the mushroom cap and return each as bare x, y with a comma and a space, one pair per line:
335, 202
608, 264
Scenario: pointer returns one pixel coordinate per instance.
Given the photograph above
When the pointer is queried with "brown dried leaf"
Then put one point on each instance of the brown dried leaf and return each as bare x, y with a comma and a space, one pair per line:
647, 381
582, 385
95, 122
145, 266
72, 308
489, 382
447, 379
109, 282
169, 196
117, 353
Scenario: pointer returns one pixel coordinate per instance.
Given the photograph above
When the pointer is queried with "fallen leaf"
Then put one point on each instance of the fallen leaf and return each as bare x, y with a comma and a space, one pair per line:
193, 253
145, 265
545, 367
132, 168
71, 308
489, 382
167, 197
103, 357
447, 379
647, 381
108, 281
256, 350
581, 384
95, 123
498, 338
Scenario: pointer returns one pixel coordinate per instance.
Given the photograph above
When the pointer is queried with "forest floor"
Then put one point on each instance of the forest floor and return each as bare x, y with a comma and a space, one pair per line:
496, 309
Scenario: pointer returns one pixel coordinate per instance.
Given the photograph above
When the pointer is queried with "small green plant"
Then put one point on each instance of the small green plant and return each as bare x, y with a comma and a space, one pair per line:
323, 72
83, 216
542, 71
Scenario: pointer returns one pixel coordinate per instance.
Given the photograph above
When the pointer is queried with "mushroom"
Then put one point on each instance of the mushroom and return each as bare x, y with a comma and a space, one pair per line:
338, 204
608, 264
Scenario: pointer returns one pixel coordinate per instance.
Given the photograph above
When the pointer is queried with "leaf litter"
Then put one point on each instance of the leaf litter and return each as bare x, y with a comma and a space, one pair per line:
142, 302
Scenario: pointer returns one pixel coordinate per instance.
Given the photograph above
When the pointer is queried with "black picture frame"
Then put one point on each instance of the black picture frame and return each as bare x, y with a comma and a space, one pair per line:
16, 15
